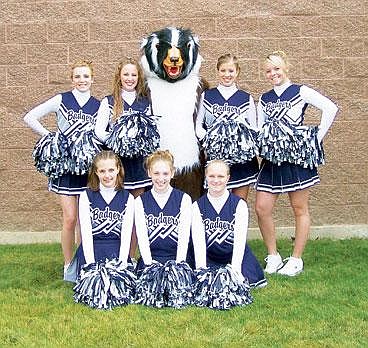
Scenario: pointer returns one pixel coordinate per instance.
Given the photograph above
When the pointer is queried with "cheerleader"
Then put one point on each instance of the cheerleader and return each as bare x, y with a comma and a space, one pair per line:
228, 115
162, 219
219, 228
291, 153
76, 113
128, 98
106, 213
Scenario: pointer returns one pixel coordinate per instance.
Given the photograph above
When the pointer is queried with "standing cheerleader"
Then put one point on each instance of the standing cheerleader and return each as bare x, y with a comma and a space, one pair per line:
122, 124
106, 213
220, 226
162, 218
76, 113
291, 153
228, 115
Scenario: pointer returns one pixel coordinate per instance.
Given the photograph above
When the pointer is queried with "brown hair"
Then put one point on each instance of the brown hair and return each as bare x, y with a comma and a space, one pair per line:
94, 182
160, 155
217, 161
117, 87
227, 58
81, 63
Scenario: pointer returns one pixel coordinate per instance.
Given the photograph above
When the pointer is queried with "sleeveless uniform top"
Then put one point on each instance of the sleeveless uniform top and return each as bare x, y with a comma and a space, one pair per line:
71, 117
162, 224
216, 106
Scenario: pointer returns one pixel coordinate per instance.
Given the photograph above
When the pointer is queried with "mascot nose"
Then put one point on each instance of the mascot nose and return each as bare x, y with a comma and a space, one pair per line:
174, 54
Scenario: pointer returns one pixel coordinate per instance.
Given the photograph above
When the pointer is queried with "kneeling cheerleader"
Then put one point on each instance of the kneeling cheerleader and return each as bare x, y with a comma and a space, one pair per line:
162, 219
106, 212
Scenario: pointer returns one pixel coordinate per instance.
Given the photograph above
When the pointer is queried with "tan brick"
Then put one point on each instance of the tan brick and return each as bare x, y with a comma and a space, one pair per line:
2, 34
210, 49
316, 68
355, 67
285, 26
342, 89
31, 221
339, 215
16, 138
67, 32
97, 52
23, 180
342, 47
344, 173
353, 109
47, 54
23, 75
123, 49
351, 131
111, 31
16, 159
237, 27
26, 33
29, 201
12, 54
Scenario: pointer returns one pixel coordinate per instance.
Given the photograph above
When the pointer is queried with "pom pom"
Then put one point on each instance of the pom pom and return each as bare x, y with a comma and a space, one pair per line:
84, 146
169, 285
135, 134
105, 285
280, 142
221, 288
232, 141
51, 155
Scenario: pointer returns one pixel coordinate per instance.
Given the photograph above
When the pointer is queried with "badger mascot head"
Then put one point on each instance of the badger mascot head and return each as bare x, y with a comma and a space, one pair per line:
171, 54
171, 62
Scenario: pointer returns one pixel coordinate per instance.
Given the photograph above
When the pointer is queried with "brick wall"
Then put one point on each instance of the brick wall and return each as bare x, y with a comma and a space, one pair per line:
327, 44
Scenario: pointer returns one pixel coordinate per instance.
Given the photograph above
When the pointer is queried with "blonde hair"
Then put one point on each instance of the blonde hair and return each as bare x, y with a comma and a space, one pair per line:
81, 63
228, 58
93, 180
217, 161
141, 91
160, 155
278, 58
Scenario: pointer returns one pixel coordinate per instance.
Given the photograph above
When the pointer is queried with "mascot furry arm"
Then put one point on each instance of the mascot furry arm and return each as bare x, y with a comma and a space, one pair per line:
171, 62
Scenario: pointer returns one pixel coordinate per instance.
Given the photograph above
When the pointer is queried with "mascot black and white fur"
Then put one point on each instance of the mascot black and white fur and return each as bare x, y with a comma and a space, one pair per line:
171, 62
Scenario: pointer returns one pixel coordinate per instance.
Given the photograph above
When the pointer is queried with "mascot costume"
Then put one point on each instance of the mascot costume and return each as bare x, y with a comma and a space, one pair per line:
171, 62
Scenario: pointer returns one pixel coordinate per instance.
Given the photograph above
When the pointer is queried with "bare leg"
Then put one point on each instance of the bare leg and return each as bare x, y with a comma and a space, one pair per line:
133, 242
299, 201
69, 206
241, 192
265, 202
78, 236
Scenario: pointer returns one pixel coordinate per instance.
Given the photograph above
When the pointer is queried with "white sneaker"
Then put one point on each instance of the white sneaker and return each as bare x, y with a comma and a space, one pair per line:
292, 267
274, 263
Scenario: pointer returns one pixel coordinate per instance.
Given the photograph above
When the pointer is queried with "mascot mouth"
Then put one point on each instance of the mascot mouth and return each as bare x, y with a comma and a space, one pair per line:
173, 71
173, 63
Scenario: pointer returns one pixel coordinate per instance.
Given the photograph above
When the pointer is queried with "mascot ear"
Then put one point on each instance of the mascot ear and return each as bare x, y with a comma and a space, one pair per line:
196, 40
144, 43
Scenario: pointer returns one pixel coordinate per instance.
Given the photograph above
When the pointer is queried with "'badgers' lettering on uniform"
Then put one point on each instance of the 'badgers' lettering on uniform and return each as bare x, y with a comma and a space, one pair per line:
108, 214
220, 109
161, 219
80, 115
270, 106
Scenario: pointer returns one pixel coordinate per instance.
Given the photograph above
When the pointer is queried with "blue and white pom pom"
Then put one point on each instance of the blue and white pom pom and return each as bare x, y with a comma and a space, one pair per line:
105, 285
168, 285
232, 141
280, 142
122, 283
221, 288
84, 146
135, 134
51, 155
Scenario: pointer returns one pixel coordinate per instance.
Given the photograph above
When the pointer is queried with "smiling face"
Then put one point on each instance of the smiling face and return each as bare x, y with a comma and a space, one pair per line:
276, 70
82, 78
129, 77
217, 176
107, 172
161, 173
227, 73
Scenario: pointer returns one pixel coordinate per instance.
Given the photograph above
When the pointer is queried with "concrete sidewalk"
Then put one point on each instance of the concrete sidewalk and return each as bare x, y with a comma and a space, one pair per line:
327, 231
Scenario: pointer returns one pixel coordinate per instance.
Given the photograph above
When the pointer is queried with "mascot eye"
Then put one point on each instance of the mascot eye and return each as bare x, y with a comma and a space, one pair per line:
189, 45
157, 45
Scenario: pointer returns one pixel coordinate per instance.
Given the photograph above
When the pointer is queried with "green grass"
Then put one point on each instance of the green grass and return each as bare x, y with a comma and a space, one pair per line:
325, 306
